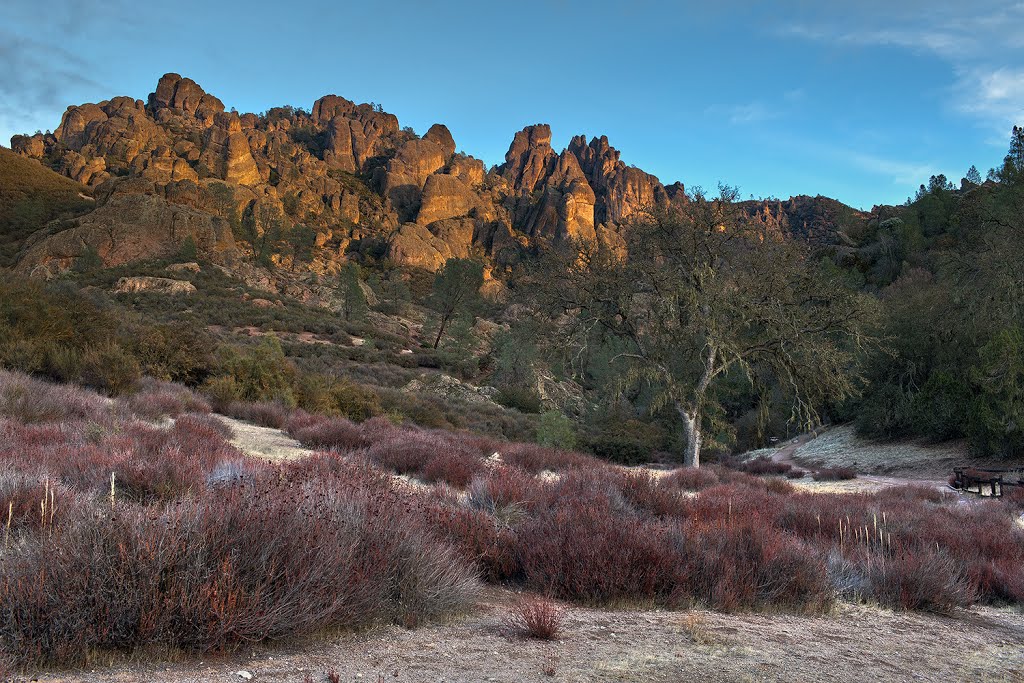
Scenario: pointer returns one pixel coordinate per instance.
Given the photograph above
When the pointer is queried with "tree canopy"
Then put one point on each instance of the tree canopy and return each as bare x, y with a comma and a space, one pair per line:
456, 291
699, 295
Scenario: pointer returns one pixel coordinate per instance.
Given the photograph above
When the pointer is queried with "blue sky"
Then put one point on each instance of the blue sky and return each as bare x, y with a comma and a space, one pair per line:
860, 102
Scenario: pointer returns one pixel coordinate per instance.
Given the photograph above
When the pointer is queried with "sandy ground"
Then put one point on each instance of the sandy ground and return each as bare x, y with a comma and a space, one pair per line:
854, 643
263, 442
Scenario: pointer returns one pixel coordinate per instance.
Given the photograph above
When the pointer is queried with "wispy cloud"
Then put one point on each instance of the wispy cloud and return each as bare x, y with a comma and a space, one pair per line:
756, 111
744, 114
996, 95
38, 73
977, 40
899, 172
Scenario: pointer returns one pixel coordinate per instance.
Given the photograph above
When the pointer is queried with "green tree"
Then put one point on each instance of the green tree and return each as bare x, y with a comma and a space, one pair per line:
973, 176
188, 251
354, 306
89, 261
556, 431
997, 424
456, 292
301, 241
701, 294
1012, 170
263, 226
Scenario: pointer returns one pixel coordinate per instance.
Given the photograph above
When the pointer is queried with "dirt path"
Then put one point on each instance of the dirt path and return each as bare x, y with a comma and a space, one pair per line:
263, 442
855, 643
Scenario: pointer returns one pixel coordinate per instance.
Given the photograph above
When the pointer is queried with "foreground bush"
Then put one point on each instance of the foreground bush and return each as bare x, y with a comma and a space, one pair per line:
248, 564
536, 617
123, 534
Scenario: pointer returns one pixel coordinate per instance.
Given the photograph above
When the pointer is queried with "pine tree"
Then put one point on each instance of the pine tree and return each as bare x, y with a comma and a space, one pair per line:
1013, 164
354, 307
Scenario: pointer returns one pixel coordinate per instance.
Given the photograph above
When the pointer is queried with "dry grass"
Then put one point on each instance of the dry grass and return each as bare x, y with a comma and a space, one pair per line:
841, 447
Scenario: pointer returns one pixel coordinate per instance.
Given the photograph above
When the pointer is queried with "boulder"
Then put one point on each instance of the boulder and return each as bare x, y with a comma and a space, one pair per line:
163, 167
190, 267
354, 134
226, 152
442, 137
445, 196
32, 147
330, 106
156, 285
407, 173
415, 246
466, 168
184, 94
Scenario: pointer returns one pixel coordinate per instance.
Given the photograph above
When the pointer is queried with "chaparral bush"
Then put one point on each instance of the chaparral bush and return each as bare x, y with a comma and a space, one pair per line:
130, 527
120, 534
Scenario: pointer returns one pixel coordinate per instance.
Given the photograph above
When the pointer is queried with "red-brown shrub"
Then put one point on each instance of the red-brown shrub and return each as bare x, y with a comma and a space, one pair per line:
763, 465
156, 399
300, 419
732, 565
452, 467
503, 486
264, 413
535, 459
692, 478
535, 617
480, 538
834, 474
919, 580
336, 433
252, 563
402, 452
584, 551
29, 400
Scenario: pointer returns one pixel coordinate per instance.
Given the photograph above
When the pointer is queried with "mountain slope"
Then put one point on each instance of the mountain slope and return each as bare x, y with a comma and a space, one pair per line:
31, 196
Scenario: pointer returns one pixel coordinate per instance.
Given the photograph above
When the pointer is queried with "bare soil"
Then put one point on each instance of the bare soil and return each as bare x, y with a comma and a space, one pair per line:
854, 643
263, 442
795, 452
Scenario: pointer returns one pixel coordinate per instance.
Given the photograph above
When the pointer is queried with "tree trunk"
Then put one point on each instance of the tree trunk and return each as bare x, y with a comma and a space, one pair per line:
691, 425
440, 330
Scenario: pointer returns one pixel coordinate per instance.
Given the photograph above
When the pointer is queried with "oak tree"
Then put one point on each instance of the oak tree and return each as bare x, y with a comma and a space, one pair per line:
699, 292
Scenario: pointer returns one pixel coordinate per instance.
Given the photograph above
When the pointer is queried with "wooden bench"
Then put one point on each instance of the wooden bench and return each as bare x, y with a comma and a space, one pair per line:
977, 480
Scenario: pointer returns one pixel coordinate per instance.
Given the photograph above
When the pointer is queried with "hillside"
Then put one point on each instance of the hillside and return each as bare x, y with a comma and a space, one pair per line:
31, 196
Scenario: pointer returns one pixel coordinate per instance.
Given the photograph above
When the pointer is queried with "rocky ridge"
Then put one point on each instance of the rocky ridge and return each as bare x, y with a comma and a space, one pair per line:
179, 166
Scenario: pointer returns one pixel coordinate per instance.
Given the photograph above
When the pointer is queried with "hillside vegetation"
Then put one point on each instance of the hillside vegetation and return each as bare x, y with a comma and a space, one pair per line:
31, 196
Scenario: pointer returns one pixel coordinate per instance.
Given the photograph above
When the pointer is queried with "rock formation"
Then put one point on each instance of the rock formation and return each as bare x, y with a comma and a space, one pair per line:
155, 285
179, 165
126, 227
621, 191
